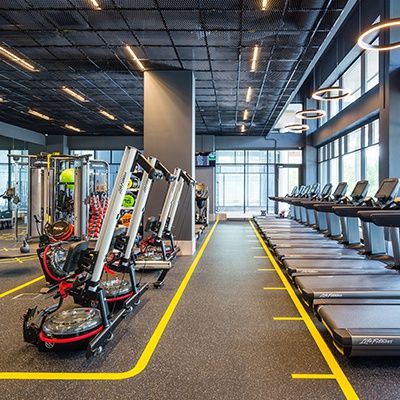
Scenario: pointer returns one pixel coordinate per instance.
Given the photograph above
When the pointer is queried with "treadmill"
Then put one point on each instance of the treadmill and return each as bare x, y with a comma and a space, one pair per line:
364, 286
282, 235
366, 327
293, 260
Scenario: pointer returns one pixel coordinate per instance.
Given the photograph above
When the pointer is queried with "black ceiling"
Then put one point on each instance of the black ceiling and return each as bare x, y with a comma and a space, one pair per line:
74, 45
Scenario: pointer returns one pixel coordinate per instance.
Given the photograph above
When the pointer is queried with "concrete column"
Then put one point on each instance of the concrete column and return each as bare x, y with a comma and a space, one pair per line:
389, 118
57, 143
169, 135
309, 162
310, 167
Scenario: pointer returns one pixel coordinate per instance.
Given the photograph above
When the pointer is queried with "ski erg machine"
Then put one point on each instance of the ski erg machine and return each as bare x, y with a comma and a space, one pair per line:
155, 254
91, 324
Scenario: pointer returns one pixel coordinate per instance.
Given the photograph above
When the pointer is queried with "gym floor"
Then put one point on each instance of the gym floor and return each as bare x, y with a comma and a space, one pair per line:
223, 327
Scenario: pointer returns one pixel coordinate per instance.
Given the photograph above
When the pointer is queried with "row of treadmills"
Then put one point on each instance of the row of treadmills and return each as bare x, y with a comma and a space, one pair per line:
342, 253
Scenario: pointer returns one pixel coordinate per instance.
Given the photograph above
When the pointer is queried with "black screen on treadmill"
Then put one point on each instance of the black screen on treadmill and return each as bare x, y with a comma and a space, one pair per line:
326, 189
359, 189
386, 190
340, 189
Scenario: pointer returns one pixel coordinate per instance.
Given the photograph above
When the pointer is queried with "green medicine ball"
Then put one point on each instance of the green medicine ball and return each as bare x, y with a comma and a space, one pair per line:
67, 177
129, 201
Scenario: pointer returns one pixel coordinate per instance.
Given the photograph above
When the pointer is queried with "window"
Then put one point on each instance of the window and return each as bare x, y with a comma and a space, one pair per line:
372, 67
351, 158
361, 76
246, 179
351, 80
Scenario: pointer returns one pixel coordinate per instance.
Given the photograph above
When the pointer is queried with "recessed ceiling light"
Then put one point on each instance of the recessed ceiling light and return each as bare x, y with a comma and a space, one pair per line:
129, 128
13, 57
2, 100
107, 115
135, 58
72, 128
256, 53
38, 114
245, 115
95, 4
243, 129
264, 5
74, 94
248, 94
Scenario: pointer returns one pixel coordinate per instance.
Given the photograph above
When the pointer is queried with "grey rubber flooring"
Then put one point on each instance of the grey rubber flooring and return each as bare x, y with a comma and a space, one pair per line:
220, 343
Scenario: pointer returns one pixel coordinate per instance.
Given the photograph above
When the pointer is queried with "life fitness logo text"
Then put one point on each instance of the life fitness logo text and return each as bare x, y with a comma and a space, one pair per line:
373, 341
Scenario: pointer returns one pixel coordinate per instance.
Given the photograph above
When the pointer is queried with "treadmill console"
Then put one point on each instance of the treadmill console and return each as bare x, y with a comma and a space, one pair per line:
387, 190
326, 190
293, 192
301, 190
314, 189
360, 191
340, 190
306, 191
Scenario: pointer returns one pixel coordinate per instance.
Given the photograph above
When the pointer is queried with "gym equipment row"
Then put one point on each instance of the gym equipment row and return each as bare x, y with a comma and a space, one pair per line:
99, 287
342, 255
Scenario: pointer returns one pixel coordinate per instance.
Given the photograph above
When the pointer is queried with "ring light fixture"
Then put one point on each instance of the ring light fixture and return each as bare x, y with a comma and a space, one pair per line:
296, 128
311, 113
376, 28
331, 93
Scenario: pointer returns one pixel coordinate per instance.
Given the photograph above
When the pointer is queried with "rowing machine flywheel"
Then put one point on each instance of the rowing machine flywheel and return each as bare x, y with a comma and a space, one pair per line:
75, 326
116, 289
53, 260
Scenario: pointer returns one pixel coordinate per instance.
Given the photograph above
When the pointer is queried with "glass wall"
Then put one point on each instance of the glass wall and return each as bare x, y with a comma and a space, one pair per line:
246, 178
351, 158
361, 76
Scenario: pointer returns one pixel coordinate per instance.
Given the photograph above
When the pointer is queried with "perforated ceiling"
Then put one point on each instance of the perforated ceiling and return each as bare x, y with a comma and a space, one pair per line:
74, 45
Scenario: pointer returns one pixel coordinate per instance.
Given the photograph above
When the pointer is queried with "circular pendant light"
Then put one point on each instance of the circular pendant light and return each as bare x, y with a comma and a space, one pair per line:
311, 113
296, 128
376, 28
331, 93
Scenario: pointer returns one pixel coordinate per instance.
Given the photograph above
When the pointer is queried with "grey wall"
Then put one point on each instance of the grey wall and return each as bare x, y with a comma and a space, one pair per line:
104, 142
24, 135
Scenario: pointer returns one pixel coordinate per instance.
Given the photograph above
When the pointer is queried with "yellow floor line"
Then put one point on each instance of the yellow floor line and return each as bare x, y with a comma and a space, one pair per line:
288, 319
275, 288
313, 376
330, 359
24, 285
148, 351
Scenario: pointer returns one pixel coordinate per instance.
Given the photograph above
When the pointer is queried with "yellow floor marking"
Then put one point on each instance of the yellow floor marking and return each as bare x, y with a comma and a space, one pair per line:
330, 359
313, 376
148, 351
288, 319
24, 285
18, 260
265, 269
275, 288
5, 249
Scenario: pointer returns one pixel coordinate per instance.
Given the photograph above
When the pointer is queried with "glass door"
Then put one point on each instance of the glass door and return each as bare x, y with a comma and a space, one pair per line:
288, 177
